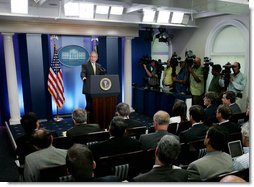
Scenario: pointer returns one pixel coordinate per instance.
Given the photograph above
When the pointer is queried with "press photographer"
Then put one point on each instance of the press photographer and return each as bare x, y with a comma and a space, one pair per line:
170, 72
214, 84
189, 58
152, 78
196, 81
235, 81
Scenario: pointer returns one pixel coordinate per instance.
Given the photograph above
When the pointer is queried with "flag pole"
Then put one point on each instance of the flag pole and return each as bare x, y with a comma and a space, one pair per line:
57, 119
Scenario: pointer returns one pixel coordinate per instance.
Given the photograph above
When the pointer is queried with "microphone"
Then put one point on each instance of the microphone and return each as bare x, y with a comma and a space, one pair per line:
103, 70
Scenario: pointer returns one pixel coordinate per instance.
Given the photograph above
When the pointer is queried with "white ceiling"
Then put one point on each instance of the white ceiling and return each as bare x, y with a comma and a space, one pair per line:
53, 11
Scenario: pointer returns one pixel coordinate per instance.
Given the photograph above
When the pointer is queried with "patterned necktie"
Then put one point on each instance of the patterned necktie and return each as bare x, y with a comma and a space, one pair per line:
94, 68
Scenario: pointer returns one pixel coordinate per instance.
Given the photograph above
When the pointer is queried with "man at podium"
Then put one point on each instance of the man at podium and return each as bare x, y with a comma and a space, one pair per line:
90, 68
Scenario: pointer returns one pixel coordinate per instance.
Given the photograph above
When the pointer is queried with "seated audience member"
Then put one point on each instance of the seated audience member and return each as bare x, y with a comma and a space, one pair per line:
123, 109
211, 106
29, 122
160, 123
166, 153
232, 179
229, 99
198, 129
80, 164
46, 155
117, 143
223, 114
215, 162
179, 121
243, 161
79, 117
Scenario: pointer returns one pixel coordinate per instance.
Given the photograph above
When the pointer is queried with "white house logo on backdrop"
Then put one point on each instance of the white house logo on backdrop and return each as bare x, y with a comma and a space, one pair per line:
73, 55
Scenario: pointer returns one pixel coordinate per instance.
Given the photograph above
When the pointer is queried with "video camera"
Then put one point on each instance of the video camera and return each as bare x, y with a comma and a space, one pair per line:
175, 59
145, 60
207, 62
225, 74
189, 58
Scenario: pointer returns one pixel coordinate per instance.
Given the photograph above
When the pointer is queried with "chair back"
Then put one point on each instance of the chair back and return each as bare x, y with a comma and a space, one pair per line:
135, 132
244, 174
91, 137
62, 142
125, 165
52, 174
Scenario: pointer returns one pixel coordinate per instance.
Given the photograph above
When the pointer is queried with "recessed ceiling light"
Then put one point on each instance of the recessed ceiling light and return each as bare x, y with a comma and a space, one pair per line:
177, 17
102, 9
71, 9
163, 16
148, 15
86, 10
116, 10
19, 6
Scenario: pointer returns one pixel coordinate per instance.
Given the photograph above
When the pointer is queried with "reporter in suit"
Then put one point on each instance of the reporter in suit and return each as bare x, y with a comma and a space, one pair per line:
79, 117
117, 143
215, 162
198, 129
90, 68
160, 122
163, 170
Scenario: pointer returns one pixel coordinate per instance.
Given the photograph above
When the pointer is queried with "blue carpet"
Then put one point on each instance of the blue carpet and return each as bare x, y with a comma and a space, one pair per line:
58, 127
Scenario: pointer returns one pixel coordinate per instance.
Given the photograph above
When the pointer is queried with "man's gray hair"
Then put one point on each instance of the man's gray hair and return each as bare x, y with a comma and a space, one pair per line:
168, 149
123, 109
79, 115
245, 129
161, 117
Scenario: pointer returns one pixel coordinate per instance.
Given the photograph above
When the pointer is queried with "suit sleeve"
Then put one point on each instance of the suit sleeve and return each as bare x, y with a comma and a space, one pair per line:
193, 173
83, 73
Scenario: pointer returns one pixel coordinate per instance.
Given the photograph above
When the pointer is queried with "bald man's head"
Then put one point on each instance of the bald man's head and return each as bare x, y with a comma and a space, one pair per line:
232, 179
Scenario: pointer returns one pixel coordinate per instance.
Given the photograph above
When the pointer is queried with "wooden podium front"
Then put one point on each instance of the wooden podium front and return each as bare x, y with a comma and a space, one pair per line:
103, 110
103, 90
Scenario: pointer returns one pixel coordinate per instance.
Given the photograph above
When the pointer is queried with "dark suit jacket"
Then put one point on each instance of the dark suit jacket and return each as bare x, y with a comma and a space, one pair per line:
115, 146
87, 71
163, 174
149, 141
210, 115
196, 132
24, 148
133, 123
229, 127
235, 108
83, 129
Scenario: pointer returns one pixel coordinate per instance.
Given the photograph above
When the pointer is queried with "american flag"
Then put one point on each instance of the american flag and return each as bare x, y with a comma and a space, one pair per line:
55, 80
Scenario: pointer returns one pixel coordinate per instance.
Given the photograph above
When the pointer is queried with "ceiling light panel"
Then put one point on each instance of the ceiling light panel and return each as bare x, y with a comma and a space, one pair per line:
19, 6
71, 9
148, 15
177, 17
102, 9
163, 16
116, 10
86, 10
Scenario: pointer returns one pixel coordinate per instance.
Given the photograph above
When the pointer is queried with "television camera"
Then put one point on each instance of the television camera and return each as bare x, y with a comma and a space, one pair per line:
207, 63
175, 59
189, 58
225, 74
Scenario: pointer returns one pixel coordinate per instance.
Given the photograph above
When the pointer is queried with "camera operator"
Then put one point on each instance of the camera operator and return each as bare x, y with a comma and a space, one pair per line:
196, 81
181, 79
152, 74
214, 84
237, 81
167, 81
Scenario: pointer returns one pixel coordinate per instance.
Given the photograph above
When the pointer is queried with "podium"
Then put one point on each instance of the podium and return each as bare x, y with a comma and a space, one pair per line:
103, 91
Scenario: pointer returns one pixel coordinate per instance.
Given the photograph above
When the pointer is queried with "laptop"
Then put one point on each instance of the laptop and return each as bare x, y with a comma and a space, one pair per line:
235, 148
